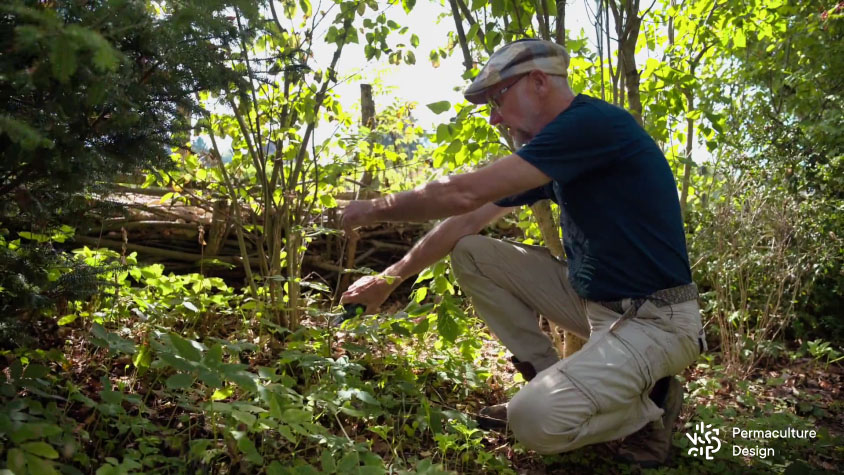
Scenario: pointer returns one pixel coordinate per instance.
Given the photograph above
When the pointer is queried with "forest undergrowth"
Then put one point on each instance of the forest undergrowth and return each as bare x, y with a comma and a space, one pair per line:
176, 374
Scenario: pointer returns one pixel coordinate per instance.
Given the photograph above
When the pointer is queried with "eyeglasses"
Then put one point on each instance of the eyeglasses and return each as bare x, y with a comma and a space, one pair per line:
494, 100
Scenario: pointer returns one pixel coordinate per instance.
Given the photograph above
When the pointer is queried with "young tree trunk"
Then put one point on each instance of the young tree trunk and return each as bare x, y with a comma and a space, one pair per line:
542, 209
367, 120
628, 23
464, 45
561, 23
548, 228
568, 343
687, 166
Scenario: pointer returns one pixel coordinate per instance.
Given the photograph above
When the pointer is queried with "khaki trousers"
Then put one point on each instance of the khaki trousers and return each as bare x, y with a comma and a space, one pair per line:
601, 392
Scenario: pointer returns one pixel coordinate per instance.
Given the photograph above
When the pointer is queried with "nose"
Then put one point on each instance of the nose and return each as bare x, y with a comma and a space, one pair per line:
495, 117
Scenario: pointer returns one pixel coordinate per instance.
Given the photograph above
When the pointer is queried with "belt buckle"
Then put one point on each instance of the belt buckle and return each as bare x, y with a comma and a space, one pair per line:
629, 313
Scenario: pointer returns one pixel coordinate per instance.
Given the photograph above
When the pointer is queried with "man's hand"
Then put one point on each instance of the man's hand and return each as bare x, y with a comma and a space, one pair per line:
370, 291
356, 214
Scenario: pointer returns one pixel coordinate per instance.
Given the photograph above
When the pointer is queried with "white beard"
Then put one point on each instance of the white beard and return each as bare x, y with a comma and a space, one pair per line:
520, 137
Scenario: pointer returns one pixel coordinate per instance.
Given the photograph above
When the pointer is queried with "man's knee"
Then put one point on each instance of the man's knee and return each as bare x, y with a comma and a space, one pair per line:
546, 417
462, 256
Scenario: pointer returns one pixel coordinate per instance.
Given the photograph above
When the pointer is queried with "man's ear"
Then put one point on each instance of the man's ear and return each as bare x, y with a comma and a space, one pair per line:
540, 81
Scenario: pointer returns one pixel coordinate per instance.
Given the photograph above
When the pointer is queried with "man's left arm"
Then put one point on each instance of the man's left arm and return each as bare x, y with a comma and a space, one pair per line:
449, 196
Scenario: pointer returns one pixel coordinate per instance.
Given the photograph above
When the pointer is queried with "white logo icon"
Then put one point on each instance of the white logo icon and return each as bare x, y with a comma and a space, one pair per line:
705, 441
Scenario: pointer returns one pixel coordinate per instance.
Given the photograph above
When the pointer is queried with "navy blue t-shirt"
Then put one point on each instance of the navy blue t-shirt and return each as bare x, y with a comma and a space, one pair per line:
619, 210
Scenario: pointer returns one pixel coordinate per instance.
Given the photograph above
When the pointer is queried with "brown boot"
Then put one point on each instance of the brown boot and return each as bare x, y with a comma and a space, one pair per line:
495, 417
651, 446
524, 367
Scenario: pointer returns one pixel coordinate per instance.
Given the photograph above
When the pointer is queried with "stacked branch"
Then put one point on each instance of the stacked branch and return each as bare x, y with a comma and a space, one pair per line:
196, 234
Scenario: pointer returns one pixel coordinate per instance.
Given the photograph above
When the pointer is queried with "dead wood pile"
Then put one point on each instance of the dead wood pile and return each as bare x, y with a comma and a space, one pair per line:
197, 234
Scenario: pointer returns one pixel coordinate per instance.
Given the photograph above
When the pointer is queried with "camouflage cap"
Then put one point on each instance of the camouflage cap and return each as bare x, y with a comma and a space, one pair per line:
517, 58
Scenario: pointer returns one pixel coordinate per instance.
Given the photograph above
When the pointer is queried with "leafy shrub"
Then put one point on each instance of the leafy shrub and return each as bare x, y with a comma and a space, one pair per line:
761, 250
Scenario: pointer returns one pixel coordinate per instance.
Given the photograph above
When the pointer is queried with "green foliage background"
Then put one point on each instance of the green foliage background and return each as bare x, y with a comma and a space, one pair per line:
114, 365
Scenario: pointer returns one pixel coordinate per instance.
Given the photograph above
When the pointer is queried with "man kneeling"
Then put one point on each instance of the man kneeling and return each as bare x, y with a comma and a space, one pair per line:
625, 284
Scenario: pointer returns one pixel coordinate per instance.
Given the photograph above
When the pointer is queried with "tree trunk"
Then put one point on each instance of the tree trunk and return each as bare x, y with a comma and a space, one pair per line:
627, 24
687, 166
367, 112
542, 209
464, 45
628, 52
367, 120
561, 22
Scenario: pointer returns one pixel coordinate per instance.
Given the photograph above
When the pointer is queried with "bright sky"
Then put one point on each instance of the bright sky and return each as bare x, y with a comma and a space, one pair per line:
421, 83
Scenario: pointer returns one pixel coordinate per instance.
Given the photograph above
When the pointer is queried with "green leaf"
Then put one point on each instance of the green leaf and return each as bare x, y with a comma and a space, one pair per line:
33, 430
327, 200
306, 469
443, 133
248, 448
353, 412
185, 348
434, 57
214, 356
327, 461
367, 398
421, 328
142, 359
454, 146
414, 40
105, 58
242, 378
111, 397
439, 107
276, 468
112, 341
41, 449
244, 417
179, 381
63, 58
473, 32
21, 133
349, 463
305, 5
34, 236
210, 378
39, 465
221, 394
739, 40
67, 319
492, 39
446, 325
408, 5
15, 461
296, 416
371, 469
35, 371
173, 361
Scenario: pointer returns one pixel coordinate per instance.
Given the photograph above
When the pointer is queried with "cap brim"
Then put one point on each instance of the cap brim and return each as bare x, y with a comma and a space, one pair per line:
477, 97
481, 94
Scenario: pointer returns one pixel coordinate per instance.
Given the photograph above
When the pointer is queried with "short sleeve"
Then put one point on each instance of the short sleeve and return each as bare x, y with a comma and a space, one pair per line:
528, 197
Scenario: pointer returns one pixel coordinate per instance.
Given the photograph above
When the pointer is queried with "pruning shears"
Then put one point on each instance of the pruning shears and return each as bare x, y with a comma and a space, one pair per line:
350, 310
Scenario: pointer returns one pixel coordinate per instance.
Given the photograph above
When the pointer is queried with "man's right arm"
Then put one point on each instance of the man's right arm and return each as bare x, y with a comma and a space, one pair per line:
372, 291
